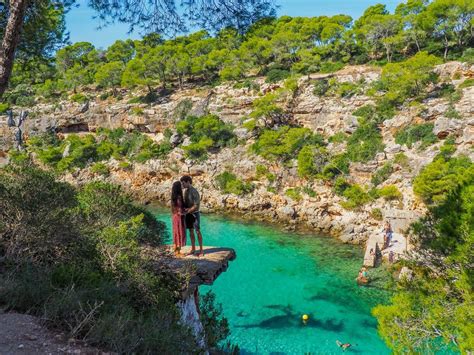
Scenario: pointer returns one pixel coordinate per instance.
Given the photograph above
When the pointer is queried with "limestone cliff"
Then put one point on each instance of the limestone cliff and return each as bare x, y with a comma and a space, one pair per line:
327, 115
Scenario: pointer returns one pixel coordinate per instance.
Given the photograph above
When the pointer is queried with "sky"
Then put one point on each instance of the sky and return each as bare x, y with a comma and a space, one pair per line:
83, 27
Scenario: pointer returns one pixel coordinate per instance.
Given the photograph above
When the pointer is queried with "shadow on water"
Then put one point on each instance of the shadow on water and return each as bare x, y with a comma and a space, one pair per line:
284, 321
291, 319
369, 323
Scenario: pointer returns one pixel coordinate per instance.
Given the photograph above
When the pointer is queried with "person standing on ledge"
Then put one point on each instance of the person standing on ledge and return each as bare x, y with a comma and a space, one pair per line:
192, 202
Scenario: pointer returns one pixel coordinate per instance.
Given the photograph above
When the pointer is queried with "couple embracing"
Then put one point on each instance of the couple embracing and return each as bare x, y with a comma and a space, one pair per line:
185, 215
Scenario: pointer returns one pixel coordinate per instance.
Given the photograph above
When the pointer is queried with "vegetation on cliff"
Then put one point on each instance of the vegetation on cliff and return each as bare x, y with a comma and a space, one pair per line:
76, 151
434, 310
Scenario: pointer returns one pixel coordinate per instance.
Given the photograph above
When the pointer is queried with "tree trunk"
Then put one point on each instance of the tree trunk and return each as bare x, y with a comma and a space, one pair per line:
446, 47
11, 37
417, 43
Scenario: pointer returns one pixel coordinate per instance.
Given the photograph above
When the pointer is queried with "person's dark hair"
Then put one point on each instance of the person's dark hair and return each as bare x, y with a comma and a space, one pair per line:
187, 178
176, 193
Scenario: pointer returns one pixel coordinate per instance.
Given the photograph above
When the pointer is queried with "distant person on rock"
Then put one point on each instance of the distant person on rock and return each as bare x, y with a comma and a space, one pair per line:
178, 215
192, 201
388, 234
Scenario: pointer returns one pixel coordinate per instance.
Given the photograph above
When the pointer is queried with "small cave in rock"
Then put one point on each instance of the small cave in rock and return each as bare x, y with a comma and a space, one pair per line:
74, 128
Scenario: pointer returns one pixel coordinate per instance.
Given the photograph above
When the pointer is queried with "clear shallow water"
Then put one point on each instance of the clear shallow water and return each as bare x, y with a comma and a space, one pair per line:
277, 277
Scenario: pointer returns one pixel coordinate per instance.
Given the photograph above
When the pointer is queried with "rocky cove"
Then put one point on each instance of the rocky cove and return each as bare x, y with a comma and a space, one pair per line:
321, 212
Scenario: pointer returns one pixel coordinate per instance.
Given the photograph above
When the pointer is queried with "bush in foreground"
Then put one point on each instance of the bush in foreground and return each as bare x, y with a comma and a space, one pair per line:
74, 257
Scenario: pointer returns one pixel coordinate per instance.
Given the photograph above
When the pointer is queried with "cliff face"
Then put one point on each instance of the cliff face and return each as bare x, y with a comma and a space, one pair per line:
326, 115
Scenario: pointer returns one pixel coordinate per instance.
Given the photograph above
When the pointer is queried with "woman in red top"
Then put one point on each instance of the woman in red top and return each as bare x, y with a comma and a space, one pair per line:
177, 210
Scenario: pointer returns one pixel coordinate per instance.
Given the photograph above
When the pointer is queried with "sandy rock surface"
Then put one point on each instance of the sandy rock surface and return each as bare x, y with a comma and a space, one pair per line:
24, 334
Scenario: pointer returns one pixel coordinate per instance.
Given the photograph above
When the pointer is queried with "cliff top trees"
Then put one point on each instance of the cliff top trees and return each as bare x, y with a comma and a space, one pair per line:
269, 46
163, 16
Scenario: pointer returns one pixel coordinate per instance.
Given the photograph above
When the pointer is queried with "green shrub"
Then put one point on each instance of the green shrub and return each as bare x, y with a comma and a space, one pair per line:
230, 184
467, 83
291, 84
104, 96
20, 95
18, 156
311, 160
364, 143
402, 160
451, 112
294, 194
25, 101
137, 111
382, 174
346, 89
321, 87
376, 214
198, 150
135, 100
331, 67
275, 75
125, 165
339, 137
249, 84
408, 79
284, 143
376, 114
262, 171
272, 189
49, 89
36, 217
309, 191
101, 169
446, 90
340, 185
205, 132
4, 108
338, 165
416, 133
216, 327
468, 56
441, 177
266, 108
390, 192
355, 196
87, 149
79, 98
82, 150
250, 125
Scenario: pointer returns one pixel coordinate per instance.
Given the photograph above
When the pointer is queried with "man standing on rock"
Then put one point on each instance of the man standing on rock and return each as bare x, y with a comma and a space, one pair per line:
192, 202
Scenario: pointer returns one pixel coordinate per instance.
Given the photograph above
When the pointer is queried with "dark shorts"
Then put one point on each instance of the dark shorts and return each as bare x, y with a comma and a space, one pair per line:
193, 221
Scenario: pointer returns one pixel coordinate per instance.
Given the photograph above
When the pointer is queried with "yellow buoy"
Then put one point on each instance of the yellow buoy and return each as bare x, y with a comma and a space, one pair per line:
305, 317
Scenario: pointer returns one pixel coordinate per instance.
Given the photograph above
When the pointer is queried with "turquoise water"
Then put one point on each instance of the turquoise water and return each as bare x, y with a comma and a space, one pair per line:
277, 277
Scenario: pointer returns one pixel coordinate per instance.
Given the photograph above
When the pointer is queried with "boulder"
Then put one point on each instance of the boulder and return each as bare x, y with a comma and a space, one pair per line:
405, 274
392, 148
444, 126
241, 133
84, 108
286, 212
175, 139
186, 141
